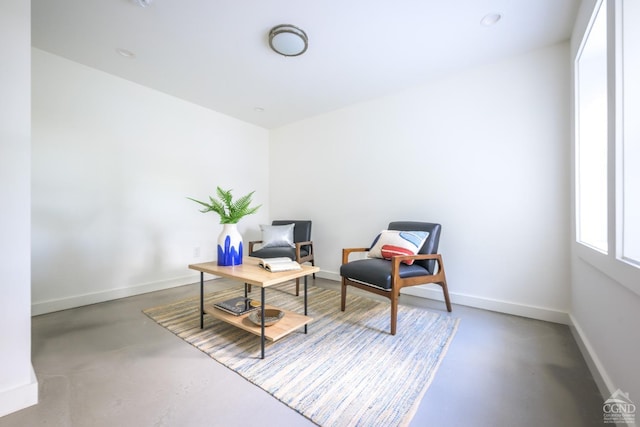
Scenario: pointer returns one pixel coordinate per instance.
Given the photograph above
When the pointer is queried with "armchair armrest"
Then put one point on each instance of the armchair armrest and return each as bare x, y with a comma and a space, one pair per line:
309, 243
252, 244
299, 245
418, 257
437, 275
396, 260
347, 251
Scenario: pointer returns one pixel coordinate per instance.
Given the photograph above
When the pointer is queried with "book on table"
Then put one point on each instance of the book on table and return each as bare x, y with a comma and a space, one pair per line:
278, 264
237, 306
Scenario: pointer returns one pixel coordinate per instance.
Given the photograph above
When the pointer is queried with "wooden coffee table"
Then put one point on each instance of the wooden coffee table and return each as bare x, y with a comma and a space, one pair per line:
250, 274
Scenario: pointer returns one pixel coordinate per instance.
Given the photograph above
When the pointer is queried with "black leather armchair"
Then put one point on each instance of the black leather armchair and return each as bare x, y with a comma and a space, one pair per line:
302, 252
387, 277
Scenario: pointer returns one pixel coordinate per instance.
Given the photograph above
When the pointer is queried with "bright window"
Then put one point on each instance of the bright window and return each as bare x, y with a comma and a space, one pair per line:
591, 135
631, 132
607, 142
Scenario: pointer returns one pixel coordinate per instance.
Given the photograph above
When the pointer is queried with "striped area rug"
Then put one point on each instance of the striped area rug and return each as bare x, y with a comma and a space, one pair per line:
347, 371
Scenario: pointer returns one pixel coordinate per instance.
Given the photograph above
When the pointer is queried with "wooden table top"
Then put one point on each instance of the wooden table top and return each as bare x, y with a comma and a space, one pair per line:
249, 272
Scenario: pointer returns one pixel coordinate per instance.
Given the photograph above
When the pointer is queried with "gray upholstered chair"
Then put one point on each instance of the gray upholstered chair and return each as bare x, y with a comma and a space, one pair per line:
387, 277
301, 251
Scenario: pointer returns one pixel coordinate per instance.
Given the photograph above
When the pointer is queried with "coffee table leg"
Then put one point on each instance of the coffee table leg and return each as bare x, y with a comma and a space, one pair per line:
262, 323
305, 301
201, 300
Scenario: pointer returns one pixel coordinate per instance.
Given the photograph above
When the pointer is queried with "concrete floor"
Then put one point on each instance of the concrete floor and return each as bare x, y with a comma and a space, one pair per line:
109, 365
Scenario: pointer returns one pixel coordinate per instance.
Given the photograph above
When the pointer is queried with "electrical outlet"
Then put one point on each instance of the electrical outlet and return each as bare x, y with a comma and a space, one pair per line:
196, 252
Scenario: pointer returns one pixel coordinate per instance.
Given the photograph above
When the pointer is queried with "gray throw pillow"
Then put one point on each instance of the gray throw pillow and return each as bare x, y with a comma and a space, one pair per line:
277, 235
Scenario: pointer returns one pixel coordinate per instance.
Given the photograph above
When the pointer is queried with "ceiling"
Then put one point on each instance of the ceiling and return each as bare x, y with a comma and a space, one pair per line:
215, 53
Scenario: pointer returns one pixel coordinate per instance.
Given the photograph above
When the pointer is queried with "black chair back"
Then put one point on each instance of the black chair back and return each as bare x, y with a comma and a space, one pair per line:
301, 230
430, 245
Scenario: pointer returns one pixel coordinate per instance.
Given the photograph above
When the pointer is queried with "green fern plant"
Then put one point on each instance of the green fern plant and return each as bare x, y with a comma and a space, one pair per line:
230, 212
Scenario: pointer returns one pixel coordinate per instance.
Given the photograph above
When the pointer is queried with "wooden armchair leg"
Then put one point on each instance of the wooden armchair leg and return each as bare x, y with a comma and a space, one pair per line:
445, 291
394, 313
443, 285
343, 296
297, 287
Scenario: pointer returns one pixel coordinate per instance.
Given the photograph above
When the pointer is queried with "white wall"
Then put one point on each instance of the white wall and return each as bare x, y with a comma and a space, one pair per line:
113, 163
18, 385
605, 314
484, 152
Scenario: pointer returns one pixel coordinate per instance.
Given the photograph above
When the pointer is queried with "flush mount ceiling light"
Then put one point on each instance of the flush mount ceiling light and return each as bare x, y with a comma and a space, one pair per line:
143, 3
490, 19
288, 40
126, 53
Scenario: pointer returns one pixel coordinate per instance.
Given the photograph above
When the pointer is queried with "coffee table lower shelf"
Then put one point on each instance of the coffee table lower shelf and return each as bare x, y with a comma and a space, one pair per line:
289, 323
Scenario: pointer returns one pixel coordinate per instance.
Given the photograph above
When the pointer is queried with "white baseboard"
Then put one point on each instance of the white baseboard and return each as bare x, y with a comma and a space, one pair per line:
20, 397
435, 292
27, 395
602, 379
42, 307
507, 307
533, 312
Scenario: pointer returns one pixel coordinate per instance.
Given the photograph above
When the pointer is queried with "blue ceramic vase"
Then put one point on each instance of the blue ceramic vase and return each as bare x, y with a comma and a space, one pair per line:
230, 245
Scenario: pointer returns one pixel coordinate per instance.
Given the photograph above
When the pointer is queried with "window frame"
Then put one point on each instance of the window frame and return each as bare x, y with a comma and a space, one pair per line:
579, 146
612, 263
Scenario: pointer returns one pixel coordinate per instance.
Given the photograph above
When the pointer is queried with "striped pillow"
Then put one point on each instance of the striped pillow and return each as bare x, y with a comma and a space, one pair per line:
393, 242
